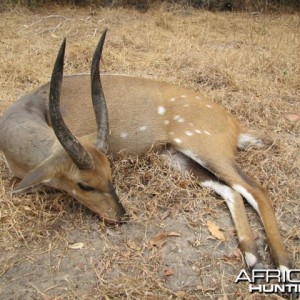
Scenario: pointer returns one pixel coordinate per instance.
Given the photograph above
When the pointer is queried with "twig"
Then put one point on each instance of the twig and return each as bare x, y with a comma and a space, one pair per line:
39, 291
48, 17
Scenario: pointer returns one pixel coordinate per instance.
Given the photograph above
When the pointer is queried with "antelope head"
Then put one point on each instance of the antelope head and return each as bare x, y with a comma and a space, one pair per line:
79, 167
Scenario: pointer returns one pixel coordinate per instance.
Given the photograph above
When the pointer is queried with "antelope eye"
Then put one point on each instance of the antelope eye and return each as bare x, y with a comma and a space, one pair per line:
85, 187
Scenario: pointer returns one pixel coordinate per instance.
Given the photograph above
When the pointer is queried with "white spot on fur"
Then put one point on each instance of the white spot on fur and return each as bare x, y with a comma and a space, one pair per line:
183, 96
207, 132
191, 124
178, 141
188, 133
191, 155
223, 190
197, 97
172, 99
198, 131
186, 105
142, 128
161, 110
74, 192
166, 122
208, 105
246, 195
246, 139
178, 118
251, 259
123, 135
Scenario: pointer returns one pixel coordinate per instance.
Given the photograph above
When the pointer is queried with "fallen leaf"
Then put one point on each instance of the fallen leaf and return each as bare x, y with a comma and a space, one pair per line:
76, 246
234, 258
168, 272
293, 117
159, 239
215, 231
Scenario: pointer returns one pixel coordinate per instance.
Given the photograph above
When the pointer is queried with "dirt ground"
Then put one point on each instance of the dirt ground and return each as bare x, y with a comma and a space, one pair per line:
53, 248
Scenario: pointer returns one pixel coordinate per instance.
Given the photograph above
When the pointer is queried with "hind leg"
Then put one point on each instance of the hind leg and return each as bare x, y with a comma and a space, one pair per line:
230, 173
227, 180
232, 198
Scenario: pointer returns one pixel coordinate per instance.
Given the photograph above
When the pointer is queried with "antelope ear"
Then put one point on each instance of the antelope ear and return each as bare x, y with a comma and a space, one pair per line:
40, 174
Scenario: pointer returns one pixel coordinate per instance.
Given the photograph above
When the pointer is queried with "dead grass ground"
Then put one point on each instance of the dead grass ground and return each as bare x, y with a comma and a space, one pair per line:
248, 63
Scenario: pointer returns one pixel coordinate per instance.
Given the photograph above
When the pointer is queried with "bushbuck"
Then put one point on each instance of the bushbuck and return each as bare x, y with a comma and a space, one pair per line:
136, 115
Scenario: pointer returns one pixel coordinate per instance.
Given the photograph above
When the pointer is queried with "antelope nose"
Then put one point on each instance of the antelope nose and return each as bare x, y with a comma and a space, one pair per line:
121, 214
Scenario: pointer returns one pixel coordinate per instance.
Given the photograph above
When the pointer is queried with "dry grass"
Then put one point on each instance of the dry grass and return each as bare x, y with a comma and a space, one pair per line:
247, 63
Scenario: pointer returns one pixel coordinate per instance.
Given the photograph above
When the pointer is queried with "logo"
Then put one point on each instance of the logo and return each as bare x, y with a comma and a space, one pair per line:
286, 281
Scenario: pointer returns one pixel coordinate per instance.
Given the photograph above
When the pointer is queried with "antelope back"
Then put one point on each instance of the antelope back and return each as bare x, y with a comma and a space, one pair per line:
146, 113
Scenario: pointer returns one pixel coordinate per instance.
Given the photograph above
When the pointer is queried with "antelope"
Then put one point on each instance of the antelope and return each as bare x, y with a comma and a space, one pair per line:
50, 137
